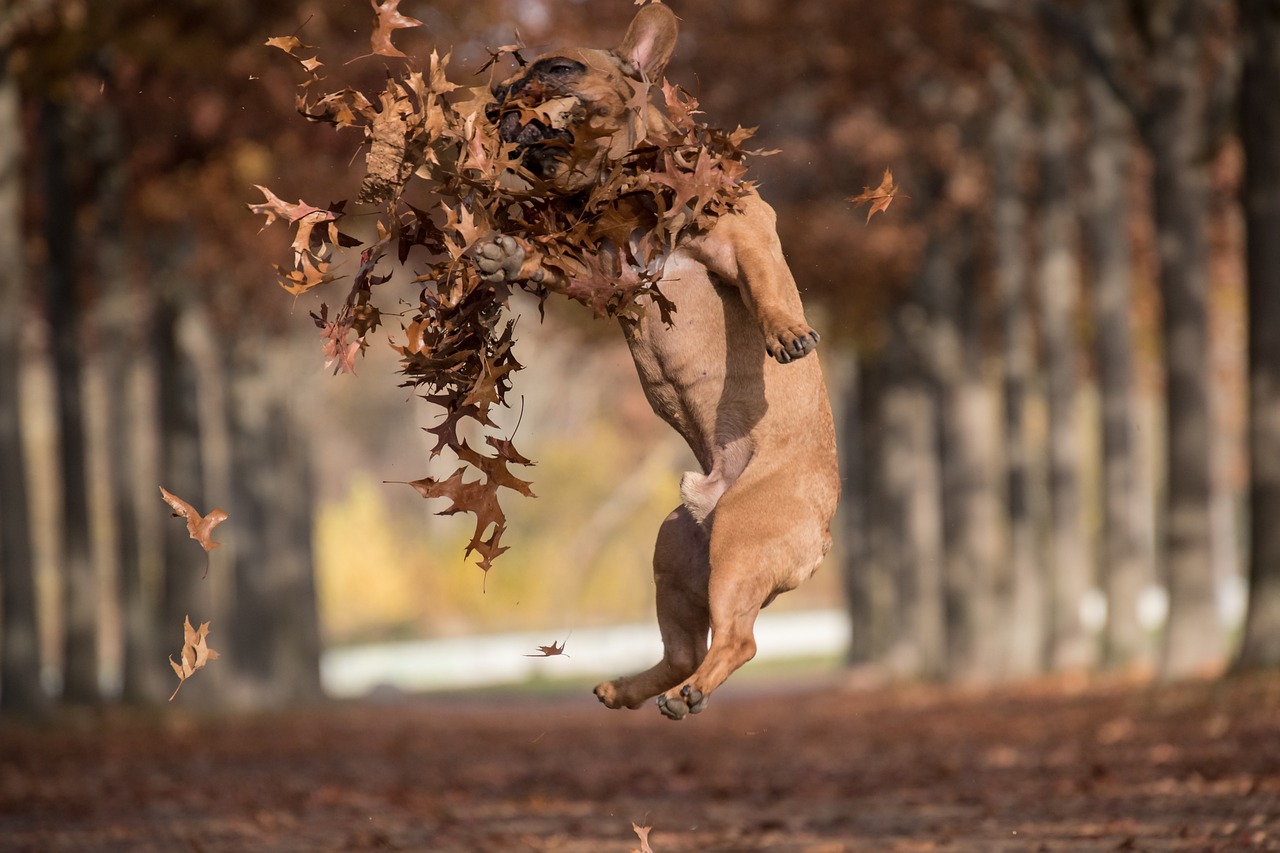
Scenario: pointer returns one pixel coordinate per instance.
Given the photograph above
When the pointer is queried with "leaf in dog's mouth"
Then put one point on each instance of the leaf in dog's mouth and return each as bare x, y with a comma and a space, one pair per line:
492, 168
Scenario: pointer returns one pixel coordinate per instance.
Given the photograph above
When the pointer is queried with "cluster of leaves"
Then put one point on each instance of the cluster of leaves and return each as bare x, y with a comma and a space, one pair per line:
440, 180
195, 652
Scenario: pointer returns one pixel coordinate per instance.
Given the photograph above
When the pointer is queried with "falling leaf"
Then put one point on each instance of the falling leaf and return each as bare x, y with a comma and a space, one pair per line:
512, 50
287, 43
643, 833
879, 198
195, 653
199, 528
388, 19
549, 651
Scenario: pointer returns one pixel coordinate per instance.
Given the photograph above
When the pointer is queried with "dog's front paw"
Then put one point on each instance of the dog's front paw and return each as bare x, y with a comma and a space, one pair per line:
499, 259
789, 343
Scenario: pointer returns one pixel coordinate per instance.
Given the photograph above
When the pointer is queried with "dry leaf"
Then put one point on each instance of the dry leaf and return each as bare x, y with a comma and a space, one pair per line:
879, 198
386, 21
195, 653
549, 651
643, 833
199, 528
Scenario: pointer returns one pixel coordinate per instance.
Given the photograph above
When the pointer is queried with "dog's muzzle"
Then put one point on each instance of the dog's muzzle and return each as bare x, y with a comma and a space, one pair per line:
540, 147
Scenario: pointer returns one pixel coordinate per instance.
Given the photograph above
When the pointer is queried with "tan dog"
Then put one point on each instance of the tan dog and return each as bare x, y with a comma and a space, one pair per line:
729, 374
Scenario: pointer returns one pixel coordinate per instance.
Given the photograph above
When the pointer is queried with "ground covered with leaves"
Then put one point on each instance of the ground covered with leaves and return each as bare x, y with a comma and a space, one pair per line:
812, 767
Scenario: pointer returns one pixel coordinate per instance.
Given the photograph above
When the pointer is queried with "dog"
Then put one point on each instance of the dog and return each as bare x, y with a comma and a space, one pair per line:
732, 371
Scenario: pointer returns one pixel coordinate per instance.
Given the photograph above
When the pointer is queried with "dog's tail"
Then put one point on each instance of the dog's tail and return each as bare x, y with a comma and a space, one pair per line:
700, 493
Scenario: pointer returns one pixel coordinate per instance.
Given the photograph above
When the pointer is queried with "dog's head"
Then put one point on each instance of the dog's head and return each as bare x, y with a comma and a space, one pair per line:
563, 109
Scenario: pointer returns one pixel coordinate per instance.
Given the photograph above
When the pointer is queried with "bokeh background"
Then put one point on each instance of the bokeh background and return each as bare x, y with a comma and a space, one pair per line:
1038, 354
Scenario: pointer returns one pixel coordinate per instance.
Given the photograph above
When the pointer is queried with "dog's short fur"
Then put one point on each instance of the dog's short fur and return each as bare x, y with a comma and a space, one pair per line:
729, 374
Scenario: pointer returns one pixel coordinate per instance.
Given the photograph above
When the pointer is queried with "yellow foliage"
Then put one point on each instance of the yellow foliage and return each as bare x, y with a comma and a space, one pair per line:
580, 553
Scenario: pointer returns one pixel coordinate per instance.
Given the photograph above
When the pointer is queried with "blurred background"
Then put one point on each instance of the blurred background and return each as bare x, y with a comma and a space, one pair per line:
1038, 355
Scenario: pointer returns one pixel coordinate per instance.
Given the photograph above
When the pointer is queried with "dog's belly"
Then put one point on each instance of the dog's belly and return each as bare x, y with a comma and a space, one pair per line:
703, 374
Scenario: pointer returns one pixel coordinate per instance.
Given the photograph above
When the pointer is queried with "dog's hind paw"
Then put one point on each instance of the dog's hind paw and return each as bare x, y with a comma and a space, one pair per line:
689, 700
791, 343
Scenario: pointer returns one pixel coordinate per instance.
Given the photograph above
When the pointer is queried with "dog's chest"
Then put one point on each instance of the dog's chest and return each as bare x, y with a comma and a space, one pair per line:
706, 366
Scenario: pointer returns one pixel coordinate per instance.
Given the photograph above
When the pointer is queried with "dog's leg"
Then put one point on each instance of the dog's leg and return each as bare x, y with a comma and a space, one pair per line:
756, 553
742, 248
680, 572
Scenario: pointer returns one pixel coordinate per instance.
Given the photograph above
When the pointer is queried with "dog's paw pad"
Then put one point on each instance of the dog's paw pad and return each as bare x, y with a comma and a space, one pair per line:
693, 698
672, 708
499, 259
688, 700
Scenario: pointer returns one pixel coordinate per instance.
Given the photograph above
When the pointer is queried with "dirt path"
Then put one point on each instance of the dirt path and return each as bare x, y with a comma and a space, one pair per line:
1192, 767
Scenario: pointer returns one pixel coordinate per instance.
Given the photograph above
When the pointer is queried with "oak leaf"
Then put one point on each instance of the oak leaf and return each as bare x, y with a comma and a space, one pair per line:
549, 651
477, 497
879, 198
387, 19
199, 527
194, 655
643, 833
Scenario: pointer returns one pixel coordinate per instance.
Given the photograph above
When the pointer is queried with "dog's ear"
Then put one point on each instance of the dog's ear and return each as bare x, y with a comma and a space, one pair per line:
650, 40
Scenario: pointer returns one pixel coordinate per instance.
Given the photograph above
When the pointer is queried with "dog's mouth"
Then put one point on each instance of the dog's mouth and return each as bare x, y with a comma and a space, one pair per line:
543, 142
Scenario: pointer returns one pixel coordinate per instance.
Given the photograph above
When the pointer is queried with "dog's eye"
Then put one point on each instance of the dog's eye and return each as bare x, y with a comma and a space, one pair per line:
563, 68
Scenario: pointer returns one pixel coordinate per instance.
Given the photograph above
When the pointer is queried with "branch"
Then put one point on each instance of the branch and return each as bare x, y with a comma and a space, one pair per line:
20, 16
1088, 36
1222, 99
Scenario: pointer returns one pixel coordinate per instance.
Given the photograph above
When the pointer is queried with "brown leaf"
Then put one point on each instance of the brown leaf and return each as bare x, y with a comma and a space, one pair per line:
195, 653
199, 528
549, 651
879, 198
478, 497
291, 43
512, 50
386, 21
643, 833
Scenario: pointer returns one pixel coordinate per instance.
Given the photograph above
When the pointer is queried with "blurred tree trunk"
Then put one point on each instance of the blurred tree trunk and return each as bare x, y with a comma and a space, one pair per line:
64, 302
20, 688
967, 425
869, 549
124, 321
857, 569
1025, 599
1071, 568
1173, 129
276, 628
181, 473
912, 481
1123, 570
1259, 25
